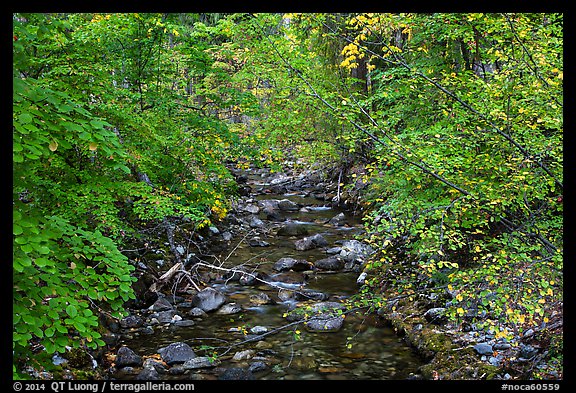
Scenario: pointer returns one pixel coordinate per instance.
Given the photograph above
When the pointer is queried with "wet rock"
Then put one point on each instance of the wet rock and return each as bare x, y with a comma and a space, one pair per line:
127, 357
257, 366
249, 278
200, 362
483, 349
361, 278
257, 242
165, 316
226, 236
255, 222
287, 263
268, 204
321, 310
304, 363
293, 229
148, 374
184, 323
337, 220
330, 263
229, 308
311, 242
131, 321
258, 329
527, 351
177, 352
436, 315
288, 205
272, 214
243, 355
353, 250
501, 346
197, 313
334, 250
236, 373
324, 323
155, 364
310, 294
208, 299
251, 209
260, 299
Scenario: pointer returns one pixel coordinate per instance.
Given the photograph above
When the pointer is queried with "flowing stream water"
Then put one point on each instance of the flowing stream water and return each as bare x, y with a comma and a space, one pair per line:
363, 348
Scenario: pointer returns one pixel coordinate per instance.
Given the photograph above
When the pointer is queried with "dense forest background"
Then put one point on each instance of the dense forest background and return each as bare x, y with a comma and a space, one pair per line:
447, 128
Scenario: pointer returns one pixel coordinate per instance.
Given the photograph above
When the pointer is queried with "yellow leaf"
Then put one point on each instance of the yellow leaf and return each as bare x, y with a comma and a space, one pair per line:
53, 146
93, 146
72, 265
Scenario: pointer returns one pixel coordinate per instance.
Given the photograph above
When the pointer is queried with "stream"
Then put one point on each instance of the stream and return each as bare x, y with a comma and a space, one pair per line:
251, 332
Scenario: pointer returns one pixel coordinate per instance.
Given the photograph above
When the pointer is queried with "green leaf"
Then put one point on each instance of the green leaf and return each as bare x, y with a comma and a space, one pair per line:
71, 311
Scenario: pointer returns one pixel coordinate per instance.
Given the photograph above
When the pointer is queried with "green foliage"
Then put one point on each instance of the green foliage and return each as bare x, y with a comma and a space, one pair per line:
468, 165
118, 121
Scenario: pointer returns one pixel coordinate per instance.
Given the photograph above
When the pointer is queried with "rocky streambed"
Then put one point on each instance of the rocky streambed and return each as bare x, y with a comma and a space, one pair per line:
271, 301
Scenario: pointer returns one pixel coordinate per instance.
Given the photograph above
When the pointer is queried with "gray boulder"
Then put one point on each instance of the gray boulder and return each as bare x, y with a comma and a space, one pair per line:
288, 205
436, 315
177, 352
229, 308
162, 304
311, 242
200, 362
288, 263
293, 229
208, 299
330, 263
127, 357
353, 250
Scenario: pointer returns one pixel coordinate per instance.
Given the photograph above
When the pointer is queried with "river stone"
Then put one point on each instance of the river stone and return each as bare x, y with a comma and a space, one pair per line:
162, 304
251, 209
127, 357
288, 263
257, 366
131, 321
165, 316
249, 278
527, 351
200, 362
288, 205
208, 299
177, 352
260, 299
243, 355
353, 250
236, 373
337, 220
293, 229
197, 312
272, 214
311, 242
483, 348
310, 294
184, 323
229, 308
436, 315
148, 374
255, 222
258, 329
330, 263
321, 310
322, 323
257, 242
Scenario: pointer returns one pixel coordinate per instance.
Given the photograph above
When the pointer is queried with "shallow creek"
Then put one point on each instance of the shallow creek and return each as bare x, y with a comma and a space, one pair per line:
363, 348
